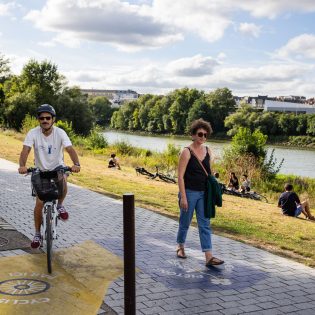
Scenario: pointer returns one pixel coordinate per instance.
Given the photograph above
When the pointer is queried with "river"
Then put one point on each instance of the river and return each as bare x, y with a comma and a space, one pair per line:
296, 161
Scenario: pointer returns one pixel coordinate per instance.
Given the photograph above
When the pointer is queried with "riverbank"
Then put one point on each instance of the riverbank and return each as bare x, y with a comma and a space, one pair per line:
292, 142
249, 221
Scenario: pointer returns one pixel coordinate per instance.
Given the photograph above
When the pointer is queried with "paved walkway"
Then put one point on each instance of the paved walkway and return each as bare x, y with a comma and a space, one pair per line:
251, 281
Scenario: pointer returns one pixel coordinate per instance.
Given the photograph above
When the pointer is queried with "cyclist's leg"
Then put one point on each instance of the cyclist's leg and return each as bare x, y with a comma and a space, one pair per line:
61, 209
65, 190
38, 214
38, 221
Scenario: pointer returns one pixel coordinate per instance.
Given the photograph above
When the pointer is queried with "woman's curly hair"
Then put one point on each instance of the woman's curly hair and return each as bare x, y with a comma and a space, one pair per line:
200, 124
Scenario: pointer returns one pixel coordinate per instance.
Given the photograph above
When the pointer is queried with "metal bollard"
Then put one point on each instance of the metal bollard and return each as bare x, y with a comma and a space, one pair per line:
129, 253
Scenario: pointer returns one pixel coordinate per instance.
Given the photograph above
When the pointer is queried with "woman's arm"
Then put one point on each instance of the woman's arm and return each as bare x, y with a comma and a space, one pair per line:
182, 165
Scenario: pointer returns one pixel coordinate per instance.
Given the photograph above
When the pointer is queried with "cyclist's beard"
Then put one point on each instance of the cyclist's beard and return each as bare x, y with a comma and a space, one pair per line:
46, 127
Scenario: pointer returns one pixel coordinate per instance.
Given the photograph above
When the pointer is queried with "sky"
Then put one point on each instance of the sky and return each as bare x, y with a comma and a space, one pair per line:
264, 47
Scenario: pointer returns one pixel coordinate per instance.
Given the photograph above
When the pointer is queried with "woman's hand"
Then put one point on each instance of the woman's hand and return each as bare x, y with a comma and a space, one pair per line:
183, 204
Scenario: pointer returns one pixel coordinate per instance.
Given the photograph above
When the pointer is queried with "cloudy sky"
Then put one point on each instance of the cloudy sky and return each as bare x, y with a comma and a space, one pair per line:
250, 46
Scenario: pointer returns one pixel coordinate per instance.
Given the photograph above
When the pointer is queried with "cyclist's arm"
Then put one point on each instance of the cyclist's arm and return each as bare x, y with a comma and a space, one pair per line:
23, 159
75, 159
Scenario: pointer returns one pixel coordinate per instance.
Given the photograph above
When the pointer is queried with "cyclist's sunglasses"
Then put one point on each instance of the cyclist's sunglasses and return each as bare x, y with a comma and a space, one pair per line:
201, 134
45, 118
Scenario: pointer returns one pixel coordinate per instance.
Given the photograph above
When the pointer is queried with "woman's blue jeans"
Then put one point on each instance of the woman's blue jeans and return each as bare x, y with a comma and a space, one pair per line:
195, 201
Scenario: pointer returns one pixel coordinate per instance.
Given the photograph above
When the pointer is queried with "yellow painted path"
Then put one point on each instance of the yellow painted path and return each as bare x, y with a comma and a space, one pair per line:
80, 278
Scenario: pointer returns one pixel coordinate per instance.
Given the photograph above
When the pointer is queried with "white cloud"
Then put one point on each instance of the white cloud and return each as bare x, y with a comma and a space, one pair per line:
299, 46
122, 24
273, 8
250, 29
7, 8
195, 66
205, 18
153, 24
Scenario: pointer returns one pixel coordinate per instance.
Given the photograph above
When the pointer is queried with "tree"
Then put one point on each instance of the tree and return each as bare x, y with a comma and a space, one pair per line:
101, 109
4, 68
221, 104
287, 124
17, 106
72, 106
38, 83
241, 118
45, 79
246, 142
183, 101
200, 109
311, 125
267, 123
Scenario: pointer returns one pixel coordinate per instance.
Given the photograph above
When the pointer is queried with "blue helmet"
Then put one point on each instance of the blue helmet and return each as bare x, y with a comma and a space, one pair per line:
46, 108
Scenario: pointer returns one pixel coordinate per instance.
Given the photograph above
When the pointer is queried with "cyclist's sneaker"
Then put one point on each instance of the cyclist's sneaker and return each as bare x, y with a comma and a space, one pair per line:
37, 240
63, 214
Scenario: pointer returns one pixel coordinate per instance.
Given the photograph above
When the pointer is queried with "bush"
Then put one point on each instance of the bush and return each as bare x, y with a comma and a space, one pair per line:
29, 123
125, 148
170, 157
248, 155
96, 140
67, 127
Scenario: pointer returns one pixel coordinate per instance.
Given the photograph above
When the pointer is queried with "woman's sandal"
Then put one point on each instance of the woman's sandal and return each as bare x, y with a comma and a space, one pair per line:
213, 261
181, 256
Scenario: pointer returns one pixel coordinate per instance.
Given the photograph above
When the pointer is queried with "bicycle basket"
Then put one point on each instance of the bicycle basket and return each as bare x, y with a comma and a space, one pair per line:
48, 185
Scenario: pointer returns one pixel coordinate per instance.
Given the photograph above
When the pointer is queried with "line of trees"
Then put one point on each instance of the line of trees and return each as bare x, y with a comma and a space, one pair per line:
174, 112
271, 123
39, 83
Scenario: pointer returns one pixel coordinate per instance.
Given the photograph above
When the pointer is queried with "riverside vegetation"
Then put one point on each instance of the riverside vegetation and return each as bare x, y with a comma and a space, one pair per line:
253, 222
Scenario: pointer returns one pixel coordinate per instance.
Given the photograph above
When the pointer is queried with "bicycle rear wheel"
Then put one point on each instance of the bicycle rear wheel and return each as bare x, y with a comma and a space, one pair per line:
49, 237
263, 198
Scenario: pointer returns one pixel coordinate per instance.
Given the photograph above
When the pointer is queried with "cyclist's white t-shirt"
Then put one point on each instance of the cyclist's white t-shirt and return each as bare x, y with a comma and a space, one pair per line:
48, 150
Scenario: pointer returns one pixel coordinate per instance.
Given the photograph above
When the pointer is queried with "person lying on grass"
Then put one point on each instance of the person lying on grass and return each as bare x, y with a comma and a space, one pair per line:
291, 205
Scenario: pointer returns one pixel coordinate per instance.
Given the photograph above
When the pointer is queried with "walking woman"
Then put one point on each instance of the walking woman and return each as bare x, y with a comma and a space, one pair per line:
192, 186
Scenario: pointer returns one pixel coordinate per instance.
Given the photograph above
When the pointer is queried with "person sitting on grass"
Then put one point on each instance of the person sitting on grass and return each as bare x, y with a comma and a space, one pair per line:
113, 162
233, 182
290, 204
217, 175
245, 187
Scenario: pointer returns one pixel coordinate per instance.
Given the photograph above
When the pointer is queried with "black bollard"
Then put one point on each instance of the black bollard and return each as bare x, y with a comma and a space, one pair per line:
129, 253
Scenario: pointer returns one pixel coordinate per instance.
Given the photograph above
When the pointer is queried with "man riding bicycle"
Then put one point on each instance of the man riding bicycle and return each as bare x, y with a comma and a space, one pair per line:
48, 142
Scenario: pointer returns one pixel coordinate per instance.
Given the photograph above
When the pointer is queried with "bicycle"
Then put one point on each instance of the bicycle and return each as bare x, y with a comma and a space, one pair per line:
163, 177
48, 186
250, 195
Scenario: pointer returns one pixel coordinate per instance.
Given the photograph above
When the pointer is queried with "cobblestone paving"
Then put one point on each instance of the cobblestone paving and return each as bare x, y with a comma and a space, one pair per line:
251, 281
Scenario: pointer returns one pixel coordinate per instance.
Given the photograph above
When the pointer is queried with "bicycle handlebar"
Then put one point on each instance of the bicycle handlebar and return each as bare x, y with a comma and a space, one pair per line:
63, 168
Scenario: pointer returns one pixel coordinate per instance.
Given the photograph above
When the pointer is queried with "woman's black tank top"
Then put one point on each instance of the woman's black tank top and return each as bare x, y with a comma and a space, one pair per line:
195, 177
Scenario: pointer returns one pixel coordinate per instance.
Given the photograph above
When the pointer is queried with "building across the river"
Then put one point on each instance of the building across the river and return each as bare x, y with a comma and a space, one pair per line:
286, 104
116, 97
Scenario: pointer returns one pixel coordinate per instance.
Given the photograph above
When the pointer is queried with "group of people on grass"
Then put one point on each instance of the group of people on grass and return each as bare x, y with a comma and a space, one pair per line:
194, 166
233, 183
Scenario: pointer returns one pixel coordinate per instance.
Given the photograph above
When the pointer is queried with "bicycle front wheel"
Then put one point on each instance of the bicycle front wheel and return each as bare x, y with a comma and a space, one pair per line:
49, 237
167, 179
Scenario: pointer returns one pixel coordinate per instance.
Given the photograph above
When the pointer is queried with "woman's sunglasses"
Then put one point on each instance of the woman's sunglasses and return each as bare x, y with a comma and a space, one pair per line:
45, 118
201, 134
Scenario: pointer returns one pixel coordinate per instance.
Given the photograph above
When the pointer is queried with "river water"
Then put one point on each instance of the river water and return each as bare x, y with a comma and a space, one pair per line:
296, 161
